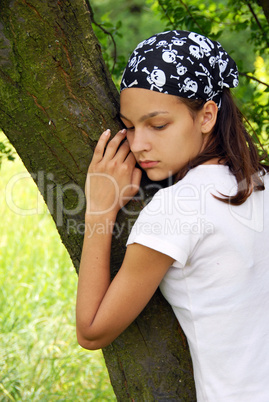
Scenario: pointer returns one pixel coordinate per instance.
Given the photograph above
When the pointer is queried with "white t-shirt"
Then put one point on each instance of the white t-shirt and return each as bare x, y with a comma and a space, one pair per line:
218, 285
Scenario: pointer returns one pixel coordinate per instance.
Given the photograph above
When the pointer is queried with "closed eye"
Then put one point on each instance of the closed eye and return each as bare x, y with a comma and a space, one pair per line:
160, 127
154, 127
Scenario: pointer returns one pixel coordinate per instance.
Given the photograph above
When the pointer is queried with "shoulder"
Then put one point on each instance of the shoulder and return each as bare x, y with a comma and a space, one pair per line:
201, 181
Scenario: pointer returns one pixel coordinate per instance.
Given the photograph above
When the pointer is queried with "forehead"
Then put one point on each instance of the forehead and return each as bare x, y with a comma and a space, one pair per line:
131, 97
136, 103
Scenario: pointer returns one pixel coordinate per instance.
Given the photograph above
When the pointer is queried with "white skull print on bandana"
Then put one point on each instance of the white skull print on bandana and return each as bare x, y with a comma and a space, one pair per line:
181, 63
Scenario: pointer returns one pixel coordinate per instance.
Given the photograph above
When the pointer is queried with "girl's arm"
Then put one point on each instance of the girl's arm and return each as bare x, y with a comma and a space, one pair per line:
105, 309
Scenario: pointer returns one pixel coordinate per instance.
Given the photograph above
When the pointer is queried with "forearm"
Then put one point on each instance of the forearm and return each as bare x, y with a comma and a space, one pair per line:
94, 273
111, 181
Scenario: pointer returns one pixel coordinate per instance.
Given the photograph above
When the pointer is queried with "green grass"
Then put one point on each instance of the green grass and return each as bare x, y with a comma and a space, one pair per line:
40, 359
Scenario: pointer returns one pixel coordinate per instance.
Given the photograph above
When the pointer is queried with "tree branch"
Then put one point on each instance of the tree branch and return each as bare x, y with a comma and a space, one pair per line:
105, 31
257, 21
192, 17
254, 15
265, 6
165, 12
253, 78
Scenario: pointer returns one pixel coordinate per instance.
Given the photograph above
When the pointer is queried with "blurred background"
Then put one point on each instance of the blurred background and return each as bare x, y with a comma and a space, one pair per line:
39, 356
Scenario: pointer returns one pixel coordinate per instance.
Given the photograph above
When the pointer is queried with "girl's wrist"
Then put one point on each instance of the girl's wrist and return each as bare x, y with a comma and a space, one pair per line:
100, 224
93, 217
100, 218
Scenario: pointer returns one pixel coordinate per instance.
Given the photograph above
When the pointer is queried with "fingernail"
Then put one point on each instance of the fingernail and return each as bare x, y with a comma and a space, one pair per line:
123, 131
107, 132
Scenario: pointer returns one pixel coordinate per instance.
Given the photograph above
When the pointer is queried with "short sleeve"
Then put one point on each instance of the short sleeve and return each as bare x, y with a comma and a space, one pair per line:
168, 225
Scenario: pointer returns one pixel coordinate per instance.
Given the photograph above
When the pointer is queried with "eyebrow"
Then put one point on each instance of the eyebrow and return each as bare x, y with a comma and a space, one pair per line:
146, 116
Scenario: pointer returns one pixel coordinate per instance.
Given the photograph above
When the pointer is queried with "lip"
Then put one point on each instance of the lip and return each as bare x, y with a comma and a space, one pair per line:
148, 164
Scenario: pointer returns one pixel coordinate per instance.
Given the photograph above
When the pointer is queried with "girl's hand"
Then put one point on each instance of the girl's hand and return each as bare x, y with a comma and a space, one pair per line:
112, 178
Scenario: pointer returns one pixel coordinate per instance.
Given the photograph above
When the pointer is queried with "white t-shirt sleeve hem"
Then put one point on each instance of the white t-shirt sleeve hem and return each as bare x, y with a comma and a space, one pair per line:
164, 247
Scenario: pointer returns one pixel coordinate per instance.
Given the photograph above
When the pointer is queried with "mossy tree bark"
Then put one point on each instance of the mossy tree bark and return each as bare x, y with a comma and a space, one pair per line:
56, 97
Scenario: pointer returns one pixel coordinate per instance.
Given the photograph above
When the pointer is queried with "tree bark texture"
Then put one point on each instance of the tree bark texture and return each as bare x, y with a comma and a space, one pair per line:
56, 97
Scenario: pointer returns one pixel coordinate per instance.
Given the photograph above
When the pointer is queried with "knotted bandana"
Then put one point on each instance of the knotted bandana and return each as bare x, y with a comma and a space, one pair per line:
181, 63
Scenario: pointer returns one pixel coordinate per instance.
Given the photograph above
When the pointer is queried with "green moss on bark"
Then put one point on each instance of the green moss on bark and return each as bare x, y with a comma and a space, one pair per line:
56, 97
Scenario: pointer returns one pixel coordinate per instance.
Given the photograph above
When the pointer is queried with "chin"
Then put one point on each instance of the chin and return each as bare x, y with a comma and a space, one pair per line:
157, 176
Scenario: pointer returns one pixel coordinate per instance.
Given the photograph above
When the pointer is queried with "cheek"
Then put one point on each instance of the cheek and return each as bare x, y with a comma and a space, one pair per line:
129, 138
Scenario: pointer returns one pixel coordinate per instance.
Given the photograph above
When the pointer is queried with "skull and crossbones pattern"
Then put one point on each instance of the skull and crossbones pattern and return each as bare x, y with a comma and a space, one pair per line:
135, 61
156, 78
181, 63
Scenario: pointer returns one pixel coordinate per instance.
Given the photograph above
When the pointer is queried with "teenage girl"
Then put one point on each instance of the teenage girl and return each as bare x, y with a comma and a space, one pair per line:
204, 239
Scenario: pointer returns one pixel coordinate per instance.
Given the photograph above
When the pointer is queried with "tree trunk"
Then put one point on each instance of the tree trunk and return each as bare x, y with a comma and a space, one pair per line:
56, 97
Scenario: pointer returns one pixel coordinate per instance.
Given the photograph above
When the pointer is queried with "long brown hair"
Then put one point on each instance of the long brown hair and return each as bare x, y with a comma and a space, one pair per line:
233, 146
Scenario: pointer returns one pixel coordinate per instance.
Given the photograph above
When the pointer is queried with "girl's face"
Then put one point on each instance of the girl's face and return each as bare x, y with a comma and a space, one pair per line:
161, 132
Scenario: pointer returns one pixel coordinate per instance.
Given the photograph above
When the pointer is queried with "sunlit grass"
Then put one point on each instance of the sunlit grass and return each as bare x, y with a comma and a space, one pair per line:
39, 356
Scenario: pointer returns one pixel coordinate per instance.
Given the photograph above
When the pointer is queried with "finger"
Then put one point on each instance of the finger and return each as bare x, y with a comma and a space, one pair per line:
130, 159
114, 144
136, 179
132, 188
100, 147
122, 152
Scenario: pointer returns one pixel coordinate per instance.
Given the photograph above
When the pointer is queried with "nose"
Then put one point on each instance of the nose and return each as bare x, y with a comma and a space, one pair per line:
138, 141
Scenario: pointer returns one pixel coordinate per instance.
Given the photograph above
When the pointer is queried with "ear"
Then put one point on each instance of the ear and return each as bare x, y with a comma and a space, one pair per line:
209, 116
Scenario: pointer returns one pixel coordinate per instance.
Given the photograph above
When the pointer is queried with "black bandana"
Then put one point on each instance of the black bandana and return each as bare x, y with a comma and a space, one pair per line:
181, 63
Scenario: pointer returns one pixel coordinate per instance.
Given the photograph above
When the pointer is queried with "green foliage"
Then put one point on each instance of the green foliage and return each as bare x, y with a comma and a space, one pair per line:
40, 359
120, 26
240, 26
6, 151
243, 30
215, 18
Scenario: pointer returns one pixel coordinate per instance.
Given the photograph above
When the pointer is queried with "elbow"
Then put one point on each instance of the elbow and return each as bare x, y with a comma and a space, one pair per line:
91, 344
